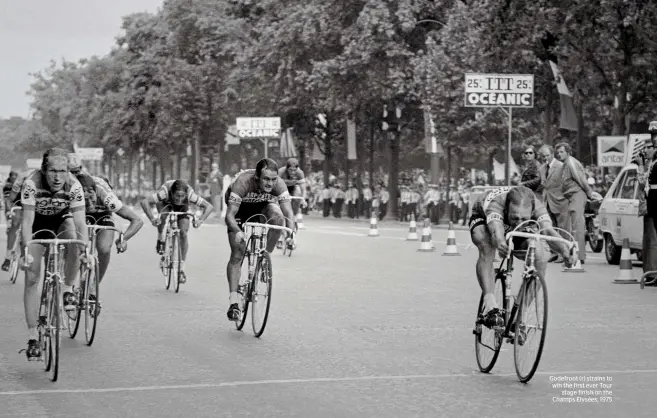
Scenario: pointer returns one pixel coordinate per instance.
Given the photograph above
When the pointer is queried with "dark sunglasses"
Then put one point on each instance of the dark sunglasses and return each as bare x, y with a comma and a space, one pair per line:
529, 152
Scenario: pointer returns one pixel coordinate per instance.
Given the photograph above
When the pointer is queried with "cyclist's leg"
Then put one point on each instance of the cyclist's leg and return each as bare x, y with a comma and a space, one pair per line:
31, 293
66, 230
274, 216
163, 212
104, 241
296, 203
233, 271
183, 224
482, 239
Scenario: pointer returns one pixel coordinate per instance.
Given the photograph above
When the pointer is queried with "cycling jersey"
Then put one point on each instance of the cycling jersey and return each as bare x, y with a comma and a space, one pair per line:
297, 176
15, 195
245, 189
492, 207
106, 199
6, 189
163, 196
36, 194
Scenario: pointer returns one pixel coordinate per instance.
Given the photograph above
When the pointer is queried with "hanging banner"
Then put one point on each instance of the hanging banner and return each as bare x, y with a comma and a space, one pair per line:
351, 140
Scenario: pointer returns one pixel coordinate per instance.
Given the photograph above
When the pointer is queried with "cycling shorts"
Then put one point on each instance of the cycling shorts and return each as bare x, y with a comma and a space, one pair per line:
100, 218
47, 226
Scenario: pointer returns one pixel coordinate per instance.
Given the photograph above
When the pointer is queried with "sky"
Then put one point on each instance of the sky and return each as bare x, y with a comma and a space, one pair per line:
33, 32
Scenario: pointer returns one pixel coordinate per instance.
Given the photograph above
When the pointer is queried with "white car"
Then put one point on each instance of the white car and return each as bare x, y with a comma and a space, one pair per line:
619, 216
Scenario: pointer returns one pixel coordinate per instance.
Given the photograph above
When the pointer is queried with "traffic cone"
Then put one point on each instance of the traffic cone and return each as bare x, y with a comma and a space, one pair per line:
452, 248
300, 221
426, 245
412, 230
374, 232
625, 274
577, 268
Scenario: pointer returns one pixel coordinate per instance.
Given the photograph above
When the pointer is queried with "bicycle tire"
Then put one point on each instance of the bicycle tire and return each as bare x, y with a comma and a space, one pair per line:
166, 262
73, 317
244, 290
516, 346
262, 268
92, 310
479, 328
42, 327
15, 258
177, 252
55, 322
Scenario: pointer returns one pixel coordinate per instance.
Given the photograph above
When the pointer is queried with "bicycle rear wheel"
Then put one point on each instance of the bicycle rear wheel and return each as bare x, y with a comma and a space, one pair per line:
55, 323
176, 259
261, 286
244, 291
91, 302
73, 318
488, 342
533, 301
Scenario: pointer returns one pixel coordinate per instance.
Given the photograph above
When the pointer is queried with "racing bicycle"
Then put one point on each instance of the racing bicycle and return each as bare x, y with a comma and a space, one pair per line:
50, 307
513, 325
291, 246
88, 292
172, 257
15, 253
255, 286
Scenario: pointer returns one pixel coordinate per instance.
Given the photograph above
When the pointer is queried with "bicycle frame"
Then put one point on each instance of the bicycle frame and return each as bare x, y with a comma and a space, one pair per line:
529, 269
256, 243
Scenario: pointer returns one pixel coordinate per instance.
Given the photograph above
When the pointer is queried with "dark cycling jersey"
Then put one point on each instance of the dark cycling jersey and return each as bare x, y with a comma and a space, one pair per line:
163, 195
246, 190
492, 207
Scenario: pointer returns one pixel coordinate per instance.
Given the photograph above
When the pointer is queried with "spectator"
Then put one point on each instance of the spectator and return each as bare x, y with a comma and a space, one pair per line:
531, 177
555, 202
216, 188
576, 190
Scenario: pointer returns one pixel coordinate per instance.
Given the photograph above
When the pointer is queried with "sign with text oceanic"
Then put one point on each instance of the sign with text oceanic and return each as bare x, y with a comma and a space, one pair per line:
259, 127
611, 151
499, 90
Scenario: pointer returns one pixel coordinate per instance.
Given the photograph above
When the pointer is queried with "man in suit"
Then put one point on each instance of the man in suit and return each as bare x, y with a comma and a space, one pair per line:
575, 188
555, 202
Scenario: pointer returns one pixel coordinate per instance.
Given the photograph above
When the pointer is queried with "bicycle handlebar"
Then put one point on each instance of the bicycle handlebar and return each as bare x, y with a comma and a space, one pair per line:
297, 198
268, 226
15, 209
56, 241
519, 234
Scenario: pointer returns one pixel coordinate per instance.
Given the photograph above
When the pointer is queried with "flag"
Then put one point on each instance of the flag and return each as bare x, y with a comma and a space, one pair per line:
351, 140
317, 153
568, 119
431, 145
287, 147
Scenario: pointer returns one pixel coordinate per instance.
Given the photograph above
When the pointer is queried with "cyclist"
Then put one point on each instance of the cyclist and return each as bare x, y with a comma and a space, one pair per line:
175, 196
11, 230
496, 213
75, 167
53, 204
295, 181
101, 203
254, 192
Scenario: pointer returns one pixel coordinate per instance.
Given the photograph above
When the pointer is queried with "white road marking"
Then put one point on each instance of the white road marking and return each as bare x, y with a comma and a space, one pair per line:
313, 380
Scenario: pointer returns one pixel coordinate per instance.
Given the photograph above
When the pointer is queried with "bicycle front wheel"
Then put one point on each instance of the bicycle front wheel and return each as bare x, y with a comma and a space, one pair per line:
261, 286
488, 342
13, 267
91, 302
44, 325
176, 259
55, 323
74, 317
531, 327
165, 262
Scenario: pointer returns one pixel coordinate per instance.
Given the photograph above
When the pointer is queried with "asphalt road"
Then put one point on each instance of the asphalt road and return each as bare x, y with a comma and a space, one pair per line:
359, 327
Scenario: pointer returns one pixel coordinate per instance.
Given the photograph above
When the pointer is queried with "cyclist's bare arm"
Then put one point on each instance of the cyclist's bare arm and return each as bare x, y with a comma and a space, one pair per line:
286, 208
207, 209
135, 221
145, 205
496, 229
559, 247
80, 221
231, 222
26, 224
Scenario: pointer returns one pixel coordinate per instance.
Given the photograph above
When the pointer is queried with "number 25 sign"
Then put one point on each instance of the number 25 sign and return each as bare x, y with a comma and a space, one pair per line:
499, 90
